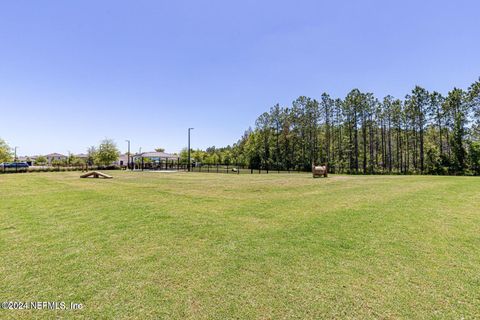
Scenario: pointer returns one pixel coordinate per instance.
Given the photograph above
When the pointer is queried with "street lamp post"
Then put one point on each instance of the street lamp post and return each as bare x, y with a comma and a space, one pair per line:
128, 154
140, 155
189, 162
15, 159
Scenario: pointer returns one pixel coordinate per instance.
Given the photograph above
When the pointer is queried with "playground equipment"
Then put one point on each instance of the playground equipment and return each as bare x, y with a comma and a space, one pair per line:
96, 174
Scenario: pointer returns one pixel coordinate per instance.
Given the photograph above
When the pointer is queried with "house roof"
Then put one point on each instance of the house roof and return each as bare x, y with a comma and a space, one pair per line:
154, 154
81, 155
55, 155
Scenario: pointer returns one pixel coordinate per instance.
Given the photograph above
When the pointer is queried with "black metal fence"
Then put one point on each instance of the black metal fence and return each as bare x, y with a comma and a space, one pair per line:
159, 164
163, 165
18, 169
242, 169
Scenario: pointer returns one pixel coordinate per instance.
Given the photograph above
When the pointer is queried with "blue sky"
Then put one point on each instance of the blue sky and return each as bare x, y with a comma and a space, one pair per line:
75, 72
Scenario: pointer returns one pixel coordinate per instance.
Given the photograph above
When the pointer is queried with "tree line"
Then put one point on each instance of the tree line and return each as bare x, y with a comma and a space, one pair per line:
102, 155
423, 133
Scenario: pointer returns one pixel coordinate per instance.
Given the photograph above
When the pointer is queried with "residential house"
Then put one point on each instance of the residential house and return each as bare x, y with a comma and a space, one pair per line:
123, 160
82, 156
27, 159
55, 157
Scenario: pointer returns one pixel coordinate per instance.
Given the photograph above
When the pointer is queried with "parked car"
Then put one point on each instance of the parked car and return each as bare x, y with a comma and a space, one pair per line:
14, 165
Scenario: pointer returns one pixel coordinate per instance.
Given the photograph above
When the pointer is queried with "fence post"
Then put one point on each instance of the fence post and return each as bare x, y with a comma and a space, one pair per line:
227, 168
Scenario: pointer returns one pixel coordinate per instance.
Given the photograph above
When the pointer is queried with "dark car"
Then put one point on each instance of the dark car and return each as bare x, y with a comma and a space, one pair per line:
14, 165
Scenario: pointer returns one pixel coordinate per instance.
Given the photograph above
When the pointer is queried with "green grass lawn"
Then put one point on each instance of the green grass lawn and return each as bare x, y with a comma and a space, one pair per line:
218, 246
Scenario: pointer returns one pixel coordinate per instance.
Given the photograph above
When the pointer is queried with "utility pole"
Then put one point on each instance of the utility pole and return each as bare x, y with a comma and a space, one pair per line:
189, 162
128, 154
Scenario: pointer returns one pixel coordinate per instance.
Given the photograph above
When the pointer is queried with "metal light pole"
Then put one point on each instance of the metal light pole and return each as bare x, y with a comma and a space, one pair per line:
189, 162
140, 155
15, 159
128, 154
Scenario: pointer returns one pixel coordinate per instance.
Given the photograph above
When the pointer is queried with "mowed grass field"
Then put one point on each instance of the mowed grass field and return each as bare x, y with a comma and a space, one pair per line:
218, 246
